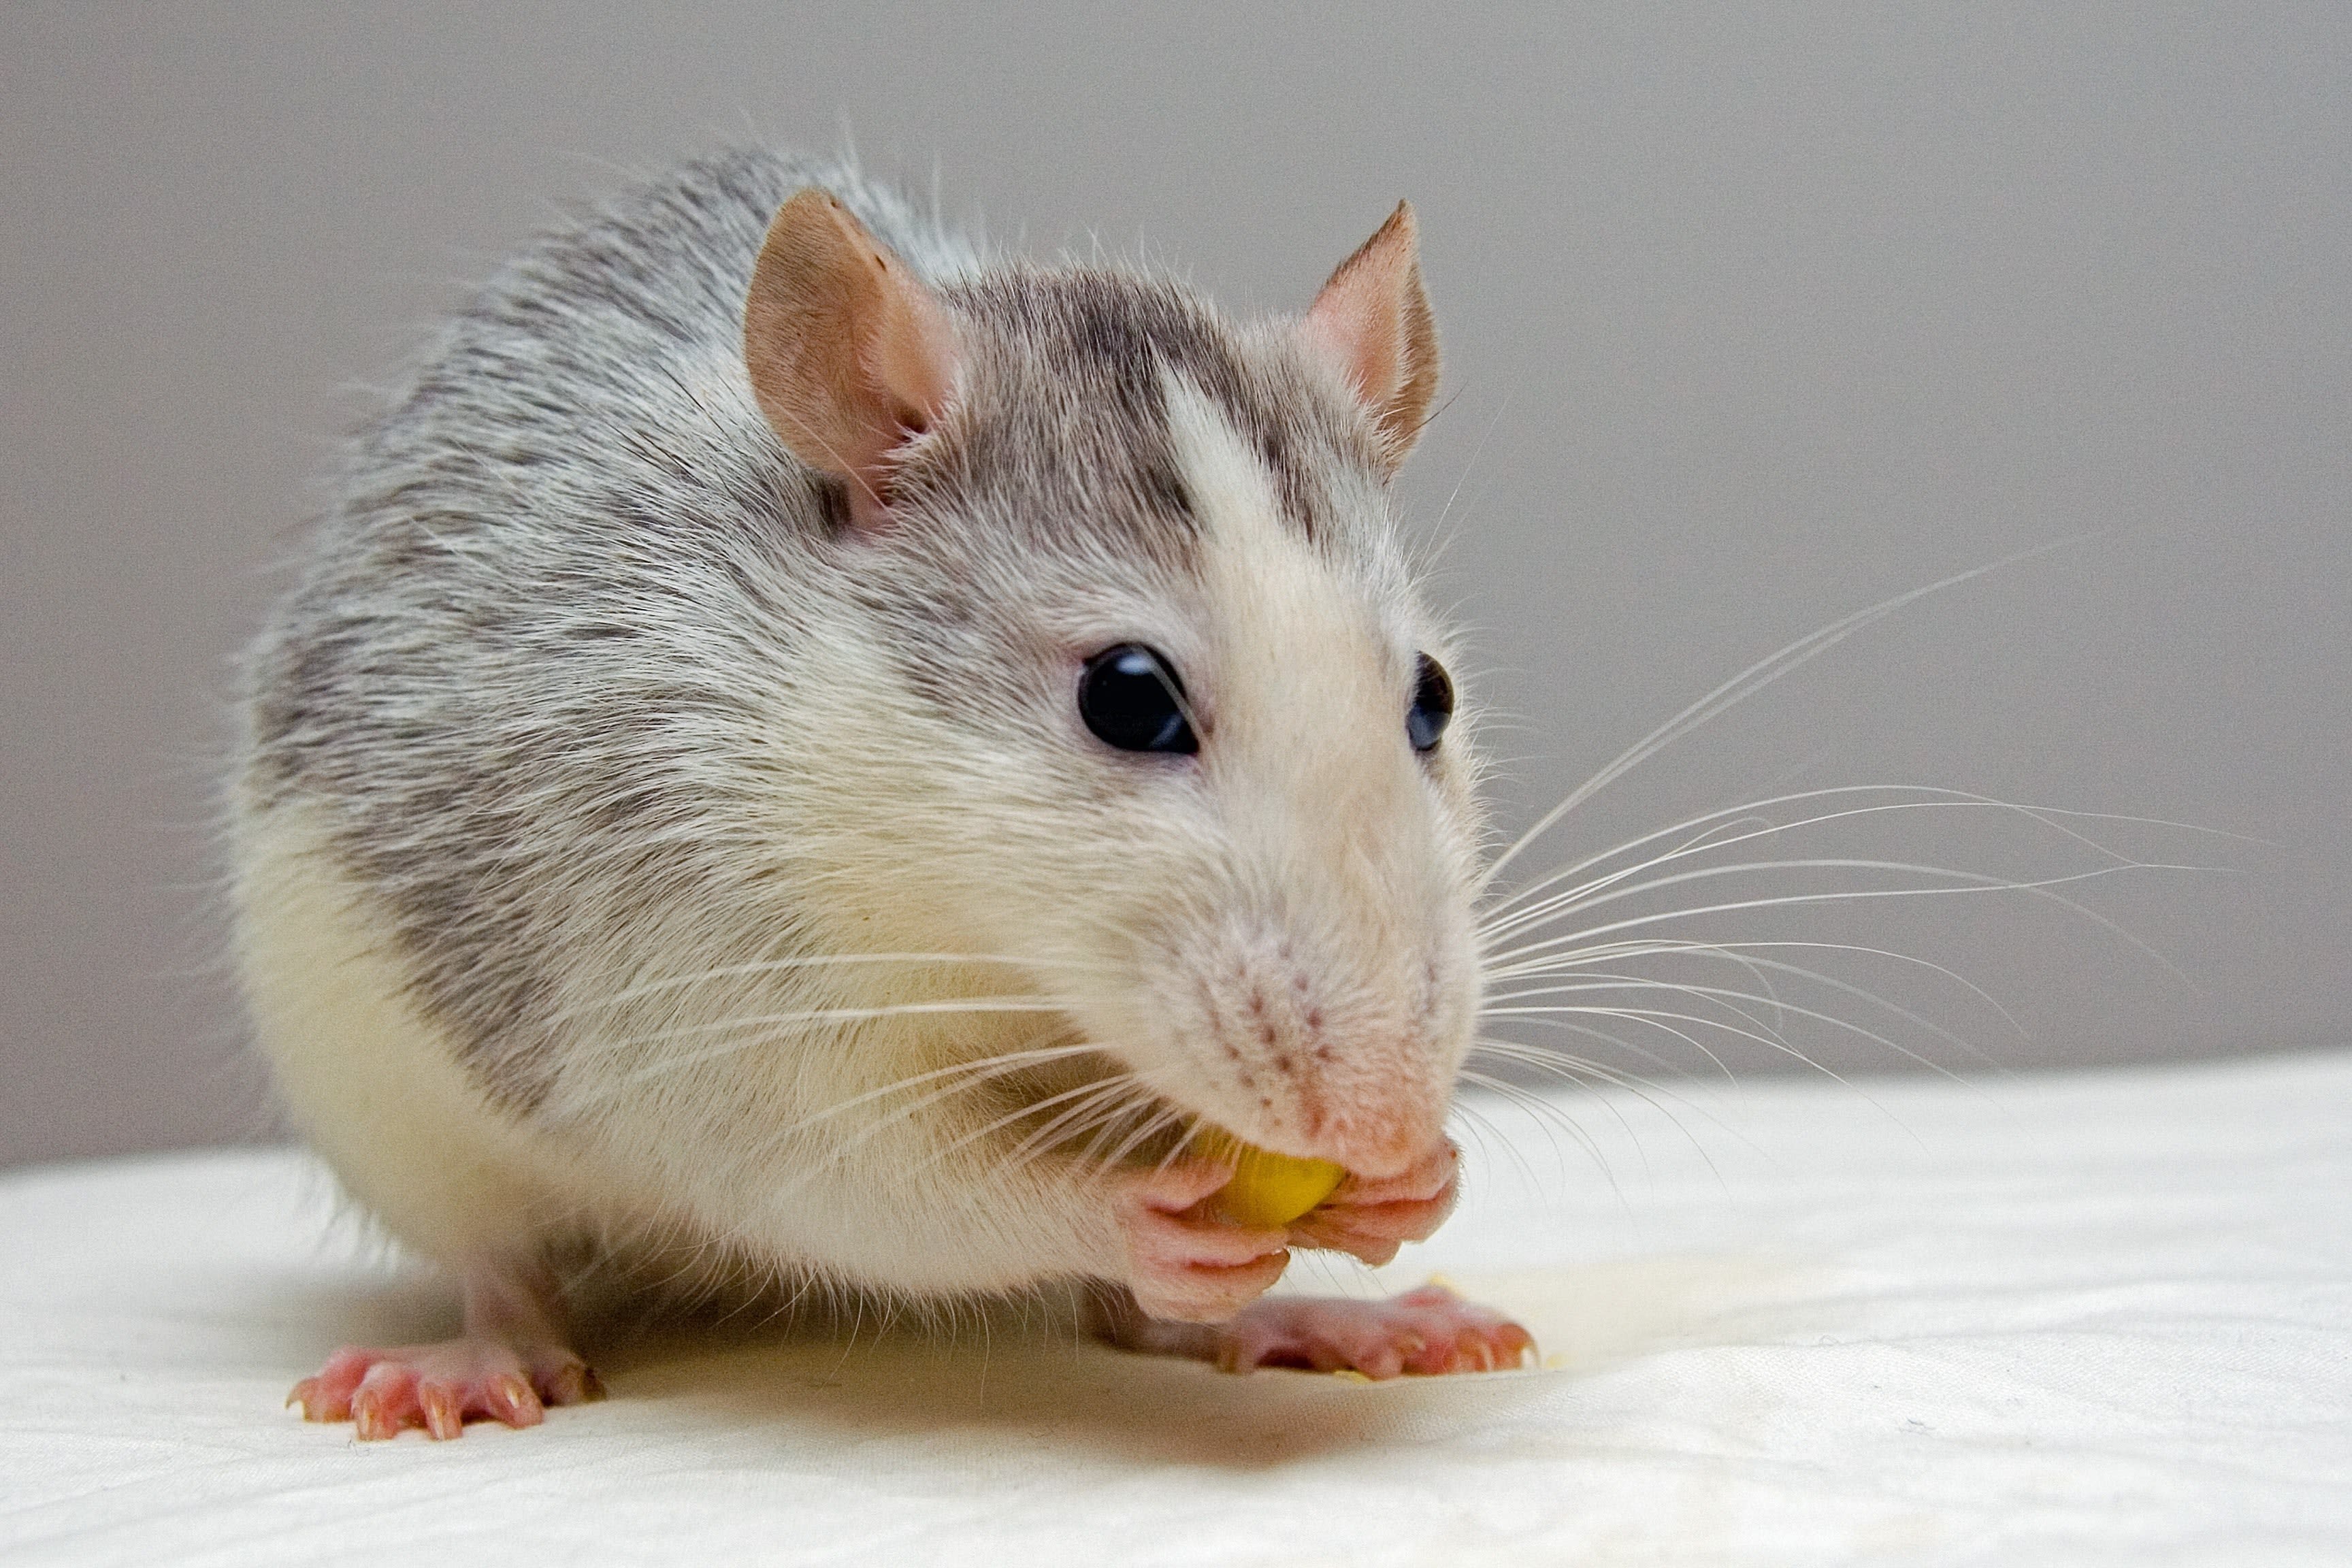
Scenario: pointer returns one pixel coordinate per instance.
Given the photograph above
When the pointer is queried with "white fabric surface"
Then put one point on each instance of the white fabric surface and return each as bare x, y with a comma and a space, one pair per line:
2099, 1319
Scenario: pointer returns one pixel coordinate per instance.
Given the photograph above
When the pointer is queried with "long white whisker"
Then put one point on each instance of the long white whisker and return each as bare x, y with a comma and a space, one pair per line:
1972, 883
1652, 1056
1143, 1134
839, 1015
1565, 1066
963, 1076
781, 966
1734, 950
1085, 1095
1619, 1116
1093, 1122
1476, 1126
1562, 1065
1496, 923
1545, 1113
1575, 962
1541, 1016
1109, 1099
2053, 818
1739, 687
767, 1037
1633, 982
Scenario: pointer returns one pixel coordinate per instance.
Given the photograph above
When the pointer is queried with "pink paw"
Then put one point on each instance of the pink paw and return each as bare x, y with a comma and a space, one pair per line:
1371, 1218
439, 1387
1428, 1332
1185, 1263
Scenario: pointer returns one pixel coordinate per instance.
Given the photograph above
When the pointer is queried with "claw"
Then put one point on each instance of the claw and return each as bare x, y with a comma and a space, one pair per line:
514, 1402
444, 1417
370, 1417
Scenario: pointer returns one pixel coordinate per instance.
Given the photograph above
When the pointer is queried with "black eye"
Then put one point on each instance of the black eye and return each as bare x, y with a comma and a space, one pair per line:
1130, 698
1432, 704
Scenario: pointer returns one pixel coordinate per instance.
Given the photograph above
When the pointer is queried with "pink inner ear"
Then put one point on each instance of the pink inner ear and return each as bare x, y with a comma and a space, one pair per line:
911, 355
849, 356
1358, 317
1355, 322
1372, 320
905, 354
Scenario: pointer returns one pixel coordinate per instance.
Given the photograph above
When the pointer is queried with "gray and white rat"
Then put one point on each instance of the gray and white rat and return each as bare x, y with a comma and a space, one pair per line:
807, 759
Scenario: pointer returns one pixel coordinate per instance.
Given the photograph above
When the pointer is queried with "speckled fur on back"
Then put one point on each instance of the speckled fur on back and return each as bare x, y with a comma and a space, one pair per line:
622, 734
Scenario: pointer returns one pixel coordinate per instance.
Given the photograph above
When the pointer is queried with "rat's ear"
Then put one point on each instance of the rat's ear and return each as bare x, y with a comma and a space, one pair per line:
1372, 318
850, 355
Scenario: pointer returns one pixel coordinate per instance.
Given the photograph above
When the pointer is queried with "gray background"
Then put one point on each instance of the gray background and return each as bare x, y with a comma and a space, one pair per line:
1754, 316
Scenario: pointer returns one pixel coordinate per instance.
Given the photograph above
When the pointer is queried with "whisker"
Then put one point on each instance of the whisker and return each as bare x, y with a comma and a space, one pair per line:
1086, 1095
1773, 1042
1166, 1115
1562, 1065
1710, 992
1971, 882
1756, 677
772, 1033
680, 1064
968, 1076
1832, 982
2051, 817
1497, 921
1575, 959
1652, 1056
781, 966
1076, 1106
1477, 1126
1546, 1114
994, 1065
1624, 1126
1097, 1124
1565, 1066
840, 1016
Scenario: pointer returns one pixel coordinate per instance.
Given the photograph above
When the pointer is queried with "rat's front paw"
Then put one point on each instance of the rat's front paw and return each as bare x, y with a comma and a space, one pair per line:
1429, 1332
438, 1387
1185, 1262
1372, 1219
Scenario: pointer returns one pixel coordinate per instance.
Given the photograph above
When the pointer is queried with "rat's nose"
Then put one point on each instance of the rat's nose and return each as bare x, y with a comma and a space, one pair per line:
1376, 1139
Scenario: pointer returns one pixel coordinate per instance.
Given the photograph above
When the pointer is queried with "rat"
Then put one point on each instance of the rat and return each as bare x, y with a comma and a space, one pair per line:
806, 761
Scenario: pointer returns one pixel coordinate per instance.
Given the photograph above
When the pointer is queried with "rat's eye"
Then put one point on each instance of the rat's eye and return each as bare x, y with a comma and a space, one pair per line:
1432, 704
1131, 698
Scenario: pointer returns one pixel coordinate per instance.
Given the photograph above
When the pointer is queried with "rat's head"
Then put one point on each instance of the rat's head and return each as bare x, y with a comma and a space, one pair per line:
1143, 693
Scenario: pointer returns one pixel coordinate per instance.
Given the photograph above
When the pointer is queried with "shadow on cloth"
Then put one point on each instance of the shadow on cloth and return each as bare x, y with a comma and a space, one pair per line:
1032, 1386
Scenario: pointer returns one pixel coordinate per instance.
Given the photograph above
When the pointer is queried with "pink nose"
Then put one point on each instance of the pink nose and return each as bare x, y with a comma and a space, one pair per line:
1380, 1141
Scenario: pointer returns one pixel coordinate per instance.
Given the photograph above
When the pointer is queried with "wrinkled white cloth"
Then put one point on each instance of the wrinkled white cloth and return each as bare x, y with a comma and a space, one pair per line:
2102, 1318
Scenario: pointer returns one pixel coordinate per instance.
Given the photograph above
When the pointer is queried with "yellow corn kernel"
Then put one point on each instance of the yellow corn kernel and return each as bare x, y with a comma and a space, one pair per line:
1268, 1190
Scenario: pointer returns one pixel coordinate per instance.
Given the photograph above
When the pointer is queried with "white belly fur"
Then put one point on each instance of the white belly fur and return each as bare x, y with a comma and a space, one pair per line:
374, 1084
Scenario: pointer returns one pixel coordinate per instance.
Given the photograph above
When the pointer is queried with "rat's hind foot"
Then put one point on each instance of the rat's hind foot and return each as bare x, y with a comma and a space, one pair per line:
439, 1387
1427, 1333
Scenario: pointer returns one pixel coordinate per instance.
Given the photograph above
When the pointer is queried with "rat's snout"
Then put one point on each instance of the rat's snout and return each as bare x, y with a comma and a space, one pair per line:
1341, 1049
